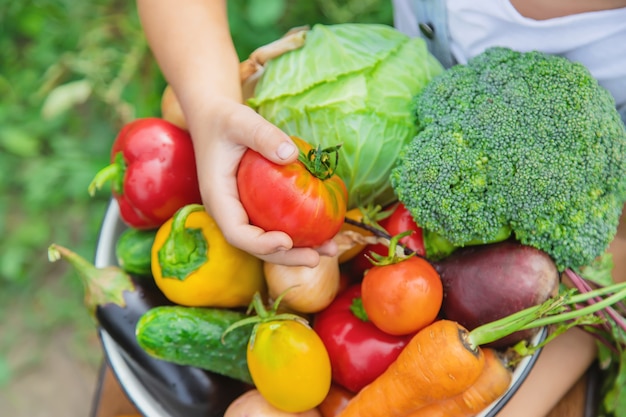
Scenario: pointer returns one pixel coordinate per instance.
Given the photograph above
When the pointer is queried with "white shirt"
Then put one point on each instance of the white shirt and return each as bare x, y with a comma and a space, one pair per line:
595, 39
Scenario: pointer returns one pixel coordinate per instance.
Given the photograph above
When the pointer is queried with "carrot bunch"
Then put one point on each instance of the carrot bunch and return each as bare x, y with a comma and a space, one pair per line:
492, 383
437, 364
444, 371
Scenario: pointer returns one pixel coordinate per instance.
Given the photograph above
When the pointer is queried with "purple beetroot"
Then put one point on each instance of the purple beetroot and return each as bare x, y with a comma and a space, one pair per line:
487, 282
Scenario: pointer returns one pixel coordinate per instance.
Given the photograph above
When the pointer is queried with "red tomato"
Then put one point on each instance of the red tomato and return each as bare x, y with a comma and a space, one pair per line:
306, 205
401, 221
402, 297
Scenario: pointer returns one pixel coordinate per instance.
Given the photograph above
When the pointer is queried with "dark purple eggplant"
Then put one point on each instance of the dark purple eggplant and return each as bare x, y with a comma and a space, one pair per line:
117, 300
487, 282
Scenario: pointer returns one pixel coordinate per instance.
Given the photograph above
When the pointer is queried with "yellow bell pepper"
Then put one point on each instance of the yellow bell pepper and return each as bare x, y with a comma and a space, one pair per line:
194, 265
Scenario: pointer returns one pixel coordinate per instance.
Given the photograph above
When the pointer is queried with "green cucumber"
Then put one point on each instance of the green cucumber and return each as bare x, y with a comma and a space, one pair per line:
133, 251
193, 336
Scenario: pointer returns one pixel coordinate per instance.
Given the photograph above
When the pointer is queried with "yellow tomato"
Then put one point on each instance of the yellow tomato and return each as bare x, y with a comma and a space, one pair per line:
194, 265
289, 365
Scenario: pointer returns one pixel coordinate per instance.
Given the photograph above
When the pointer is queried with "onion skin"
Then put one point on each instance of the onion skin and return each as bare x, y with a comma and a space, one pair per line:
306, 290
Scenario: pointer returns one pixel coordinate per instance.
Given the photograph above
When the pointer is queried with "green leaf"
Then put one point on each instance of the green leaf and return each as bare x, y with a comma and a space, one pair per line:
347, 49
613, 387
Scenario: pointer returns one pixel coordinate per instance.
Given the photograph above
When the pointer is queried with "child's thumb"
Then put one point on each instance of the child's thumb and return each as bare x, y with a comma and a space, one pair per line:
270, 141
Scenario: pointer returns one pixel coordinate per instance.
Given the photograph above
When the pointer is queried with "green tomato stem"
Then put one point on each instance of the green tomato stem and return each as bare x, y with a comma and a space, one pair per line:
263, 315
319, 162
392, 255
258, 307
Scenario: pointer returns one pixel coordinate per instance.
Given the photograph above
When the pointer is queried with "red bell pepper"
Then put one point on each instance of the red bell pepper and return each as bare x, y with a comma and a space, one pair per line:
359, 351
152, 170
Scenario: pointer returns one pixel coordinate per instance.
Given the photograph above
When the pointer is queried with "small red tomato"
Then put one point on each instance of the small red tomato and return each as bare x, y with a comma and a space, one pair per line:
400, 221
402, 297
304, 199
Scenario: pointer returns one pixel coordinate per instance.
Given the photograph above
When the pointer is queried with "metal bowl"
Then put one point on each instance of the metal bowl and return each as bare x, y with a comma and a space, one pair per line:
129, 374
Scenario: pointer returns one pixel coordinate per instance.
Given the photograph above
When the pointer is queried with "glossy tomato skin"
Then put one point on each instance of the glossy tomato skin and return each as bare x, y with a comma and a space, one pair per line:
400, 221
403, 297
359, 351
289, 198
289, 365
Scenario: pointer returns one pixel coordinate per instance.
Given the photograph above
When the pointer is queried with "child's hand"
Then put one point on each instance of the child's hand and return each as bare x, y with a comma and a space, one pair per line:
221, 135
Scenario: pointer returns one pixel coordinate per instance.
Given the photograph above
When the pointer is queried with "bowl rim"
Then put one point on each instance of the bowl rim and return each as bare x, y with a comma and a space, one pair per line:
149, 406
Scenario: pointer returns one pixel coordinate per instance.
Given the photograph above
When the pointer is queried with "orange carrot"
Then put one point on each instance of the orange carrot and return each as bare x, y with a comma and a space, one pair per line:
437, 364
492, 383
444, 359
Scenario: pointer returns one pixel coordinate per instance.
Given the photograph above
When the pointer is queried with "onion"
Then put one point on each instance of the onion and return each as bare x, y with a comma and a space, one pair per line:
306, 290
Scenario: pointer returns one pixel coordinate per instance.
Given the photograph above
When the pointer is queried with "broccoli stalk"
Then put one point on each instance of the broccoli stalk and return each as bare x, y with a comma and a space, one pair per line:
523, 141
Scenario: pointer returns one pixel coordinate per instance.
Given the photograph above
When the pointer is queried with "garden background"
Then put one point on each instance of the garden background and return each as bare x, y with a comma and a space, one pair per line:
71, 74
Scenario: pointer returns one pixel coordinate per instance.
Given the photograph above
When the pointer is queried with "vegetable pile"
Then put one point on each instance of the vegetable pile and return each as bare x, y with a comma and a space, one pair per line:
458, 199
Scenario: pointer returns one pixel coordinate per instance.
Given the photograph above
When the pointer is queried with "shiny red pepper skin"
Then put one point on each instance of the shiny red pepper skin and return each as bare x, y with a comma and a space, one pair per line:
359, 352
156, 173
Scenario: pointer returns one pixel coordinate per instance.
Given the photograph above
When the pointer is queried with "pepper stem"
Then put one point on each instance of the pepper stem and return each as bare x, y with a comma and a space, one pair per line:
185, 249
356, 307
113, 172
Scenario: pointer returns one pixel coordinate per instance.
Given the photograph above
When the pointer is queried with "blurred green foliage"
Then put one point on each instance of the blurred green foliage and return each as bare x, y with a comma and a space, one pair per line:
71, 74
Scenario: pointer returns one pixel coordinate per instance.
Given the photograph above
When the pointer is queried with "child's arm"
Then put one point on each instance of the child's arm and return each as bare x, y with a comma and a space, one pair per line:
192, 44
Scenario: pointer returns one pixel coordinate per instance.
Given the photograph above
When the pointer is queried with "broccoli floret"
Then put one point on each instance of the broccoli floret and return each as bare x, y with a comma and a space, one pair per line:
525, 140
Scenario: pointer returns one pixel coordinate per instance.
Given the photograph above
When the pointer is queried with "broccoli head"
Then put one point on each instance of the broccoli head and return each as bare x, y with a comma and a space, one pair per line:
522, 140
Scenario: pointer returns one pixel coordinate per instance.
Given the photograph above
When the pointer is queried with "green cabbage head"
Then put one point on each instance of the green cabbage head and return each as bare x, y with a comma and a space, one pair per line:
350, 84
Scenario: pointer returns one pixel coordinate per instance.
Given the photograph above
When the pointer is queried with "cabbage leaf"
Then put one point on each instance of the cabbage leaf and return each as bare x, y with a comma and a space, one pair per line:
350, 84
